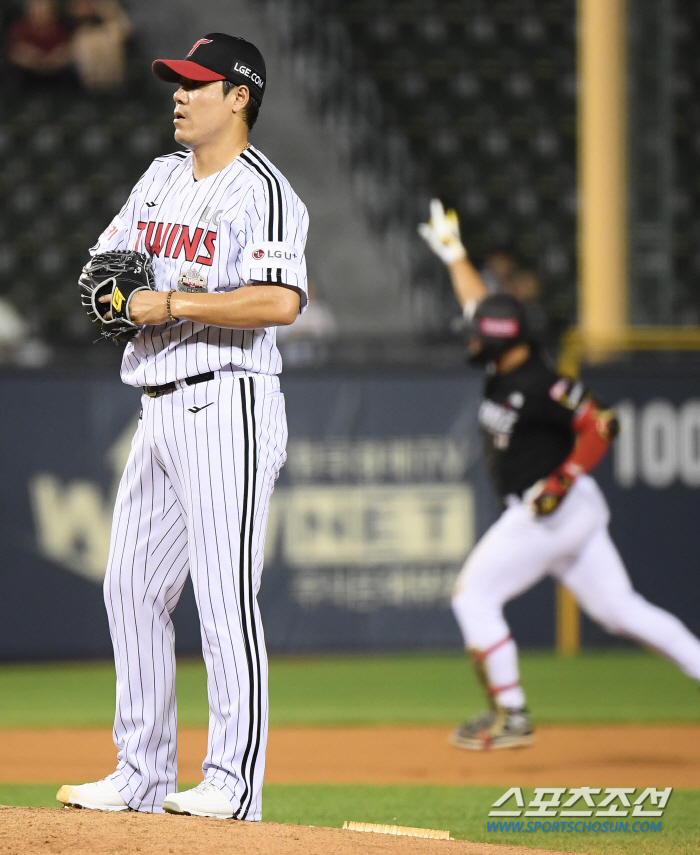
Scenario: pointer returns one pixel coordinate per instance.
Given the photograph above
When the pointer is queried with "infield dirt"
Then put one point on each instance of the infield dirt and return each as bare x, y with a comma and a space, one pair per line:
70, 832
649, 755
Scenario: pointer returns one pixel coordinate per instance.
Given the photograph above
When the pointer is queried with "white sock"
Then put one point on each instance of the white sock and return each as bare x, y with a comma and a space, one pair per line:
502, 670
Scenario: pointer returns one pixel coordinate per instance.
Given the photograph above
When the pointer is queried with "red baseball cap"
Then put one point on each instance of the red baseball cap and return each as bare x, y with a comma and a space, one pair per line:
218, 57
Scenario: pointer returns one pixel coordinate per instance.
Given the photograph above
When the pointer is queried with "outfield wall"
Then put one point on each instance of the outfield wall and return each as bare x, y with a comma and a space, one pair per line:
381, 499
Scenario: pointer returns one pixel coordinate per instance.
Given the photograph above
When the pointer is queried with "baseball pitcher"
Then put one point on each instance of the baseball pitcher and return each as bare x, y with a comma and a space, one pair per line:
201, 265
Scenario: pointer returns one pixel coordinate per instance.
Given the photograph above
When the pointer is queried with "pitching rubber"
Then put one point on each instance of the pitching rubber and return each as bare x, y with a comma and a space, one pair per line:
398, 830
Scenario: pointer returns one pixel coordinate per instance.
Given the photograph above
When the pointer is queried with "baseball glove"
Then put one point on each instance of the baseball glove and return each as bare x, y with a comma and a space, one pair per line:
118, 274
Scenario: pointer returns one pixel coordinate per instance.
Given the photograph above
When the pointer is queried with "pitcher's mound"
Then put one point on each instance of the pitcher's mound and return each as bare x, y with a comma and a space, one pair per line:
87, 832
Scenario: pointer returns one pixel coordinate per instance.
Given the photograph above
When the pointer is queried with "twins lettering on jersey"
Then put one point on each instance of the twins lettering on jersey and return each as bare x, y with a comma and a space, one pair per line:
173, 239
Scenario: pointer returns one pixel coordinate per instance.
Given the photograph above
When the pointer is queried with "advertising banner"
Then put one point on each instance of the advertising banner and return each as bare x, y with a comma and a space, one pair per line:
651, 480
381, 499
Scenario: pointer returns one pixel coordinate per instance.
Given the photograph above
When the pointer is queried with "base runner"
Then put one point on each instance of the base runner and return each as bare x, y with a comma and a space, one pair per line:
543, 434
225, 234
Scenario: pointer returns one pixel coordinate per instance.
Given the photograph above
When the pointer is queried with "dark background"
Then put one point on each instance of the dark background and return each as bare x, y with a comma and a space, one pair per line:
63, 425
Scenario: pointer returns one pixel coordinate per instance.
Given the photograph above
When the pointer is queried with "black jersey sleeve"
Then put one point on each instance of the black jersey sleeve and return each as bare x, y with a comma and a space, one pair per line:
561, 400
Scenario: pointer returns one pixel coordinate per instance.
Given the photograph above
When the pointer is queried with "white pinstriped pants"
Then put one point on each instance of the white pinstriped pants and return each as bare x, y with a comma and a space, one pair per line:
194, 498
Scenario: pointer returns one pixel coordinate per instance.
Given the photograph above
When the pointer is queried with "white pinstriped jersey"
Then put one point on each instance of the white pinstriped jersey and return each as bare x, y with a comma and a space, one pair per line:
243, 224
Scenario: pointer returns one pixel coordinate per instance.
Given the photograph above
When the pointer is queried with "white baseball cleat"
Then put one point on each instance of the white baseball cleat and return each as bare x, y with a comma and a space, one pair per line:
102, 795
204, 800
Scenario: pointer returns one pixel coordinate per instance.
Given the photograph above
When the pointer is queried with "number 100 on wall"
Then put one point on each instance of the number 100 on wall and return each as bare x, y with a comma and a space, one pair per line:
659, 444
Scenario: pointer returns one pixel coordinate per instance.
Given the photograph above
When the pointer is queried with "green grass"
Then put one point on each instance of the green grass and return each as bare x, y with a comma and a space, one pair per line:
460, 810
463, 812
610, 686
29, 795
593, 687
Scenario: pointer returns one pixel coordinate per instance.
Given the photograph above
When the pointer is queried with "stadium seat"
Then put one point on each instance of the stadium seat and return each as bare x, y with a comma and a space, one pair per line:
67, 166
485, 85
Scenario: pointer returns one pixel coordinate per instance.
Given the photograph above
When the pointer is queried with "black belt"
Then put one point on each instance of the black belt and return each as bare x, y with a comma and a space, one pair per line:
156, 391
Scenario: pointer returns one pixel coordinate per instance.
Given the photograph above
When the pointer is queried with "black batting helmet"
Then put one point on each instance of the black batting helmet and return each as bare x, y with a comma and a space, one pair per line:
499, 323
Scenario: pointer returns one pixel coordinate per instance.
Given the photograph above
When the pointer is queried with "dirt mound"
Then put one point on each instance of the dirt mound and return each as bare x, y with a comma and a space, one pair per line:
74, 832
612, 756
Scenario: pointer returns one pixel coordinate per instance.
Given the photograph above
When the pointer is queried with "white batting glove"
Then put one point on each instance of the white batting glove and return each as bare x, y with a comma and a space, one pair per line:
442, 233
469, 308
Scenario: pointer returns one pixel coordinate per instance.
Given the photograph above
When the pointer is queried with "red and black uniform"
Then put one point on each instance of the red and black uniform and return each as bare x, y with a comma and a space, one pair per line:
526, 418
538, 425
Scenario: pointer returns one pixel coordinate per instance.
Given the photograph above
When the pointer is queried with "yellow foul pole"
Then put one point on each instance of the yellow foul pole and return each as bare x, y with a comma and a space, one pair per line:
602, 174
602, 223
